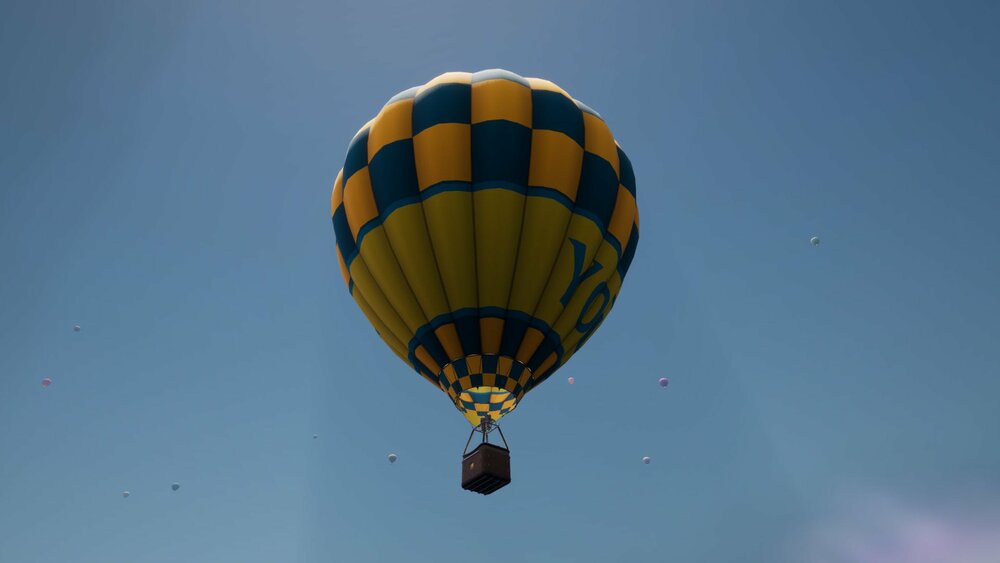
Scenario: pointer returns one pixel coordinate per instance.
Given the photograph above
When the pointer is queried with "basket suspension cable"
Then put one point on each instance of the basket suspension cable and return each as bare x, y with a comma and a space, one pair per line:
485, 426
502, 437
469, 441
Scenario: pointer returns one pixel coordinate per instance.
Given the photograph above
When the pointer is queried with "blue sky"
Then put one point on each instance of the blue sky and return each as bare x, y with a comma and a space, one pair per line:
165, 175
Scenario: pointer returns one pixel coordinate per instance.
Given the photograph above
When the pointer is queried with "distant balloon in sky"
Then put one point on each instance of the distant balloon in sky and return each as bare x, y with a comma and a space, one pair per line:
125, 494
664, 382
315, 436
646, 460
46, 382
175, 486
392, 458
814, 241
76, 328
570, 380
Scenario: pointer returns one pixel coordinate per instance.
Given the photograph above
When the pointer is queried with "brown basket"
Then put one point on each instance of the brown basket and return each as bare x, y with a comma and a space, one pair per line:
486, 469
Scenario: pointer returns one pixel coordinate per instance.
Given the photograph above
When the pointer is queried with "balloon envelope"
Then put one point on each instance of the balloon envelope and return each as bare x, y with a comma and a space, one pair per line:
76, 328
175, 486
814, 241
646, 460
125, 494
664, 382
570, 380
485, 223
392, 458
46, 382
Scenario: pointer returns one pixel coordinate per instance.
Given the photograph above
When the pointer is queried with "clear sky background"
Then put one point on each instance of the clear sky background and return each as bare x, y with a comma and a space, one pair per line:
165, 178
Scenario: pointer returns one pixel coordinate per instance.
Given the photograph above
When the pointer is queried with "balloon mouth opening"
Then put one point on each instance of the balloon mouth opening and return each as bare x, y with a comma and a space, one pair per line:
487, 385
485, 401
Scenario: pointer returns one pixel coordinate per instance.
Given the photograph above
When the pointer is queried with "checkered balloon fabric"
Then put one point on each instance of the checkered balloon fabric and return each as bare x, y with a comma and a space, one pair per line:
485, 223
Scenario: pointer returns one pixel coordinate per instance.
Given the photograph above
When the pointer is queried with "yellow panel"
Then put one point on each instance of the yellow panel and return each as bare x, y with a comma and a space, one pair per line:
607, 256
451, 228
501, 99
343, 268
504, 364
489, 379
407, 233
359, 201
623, 216
450, 374
491, 329
465, 382
337, 197
363, 128
474, 363
542, 84
498, 230
525, 376
443, 153
600, 141
549, 362
542, 235
388, 276
472, 417
393, 123
615, 284
448, 337
583, 230
556, 162
365, 283
511, 384
383, 331
532, 339
424, 356
569, 342
447, 78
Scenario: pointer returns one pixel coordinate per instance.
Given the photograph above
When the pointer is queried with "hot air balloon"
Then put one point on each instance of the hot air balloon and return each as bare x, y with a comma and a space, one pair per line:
392, 458
814, 241
664, 382
76, 328
570, 380
175, 486
125, 494
46, 382
484, 224
646, 460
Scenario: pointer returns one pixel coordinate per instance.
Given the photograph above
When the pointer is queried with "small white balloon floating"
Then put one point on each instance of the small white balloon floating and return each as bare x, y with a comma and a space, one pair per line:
175, 486
664, 382
76, 328
392, 458
125, 494
646, 460
46, 382
570, 380
814, 241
